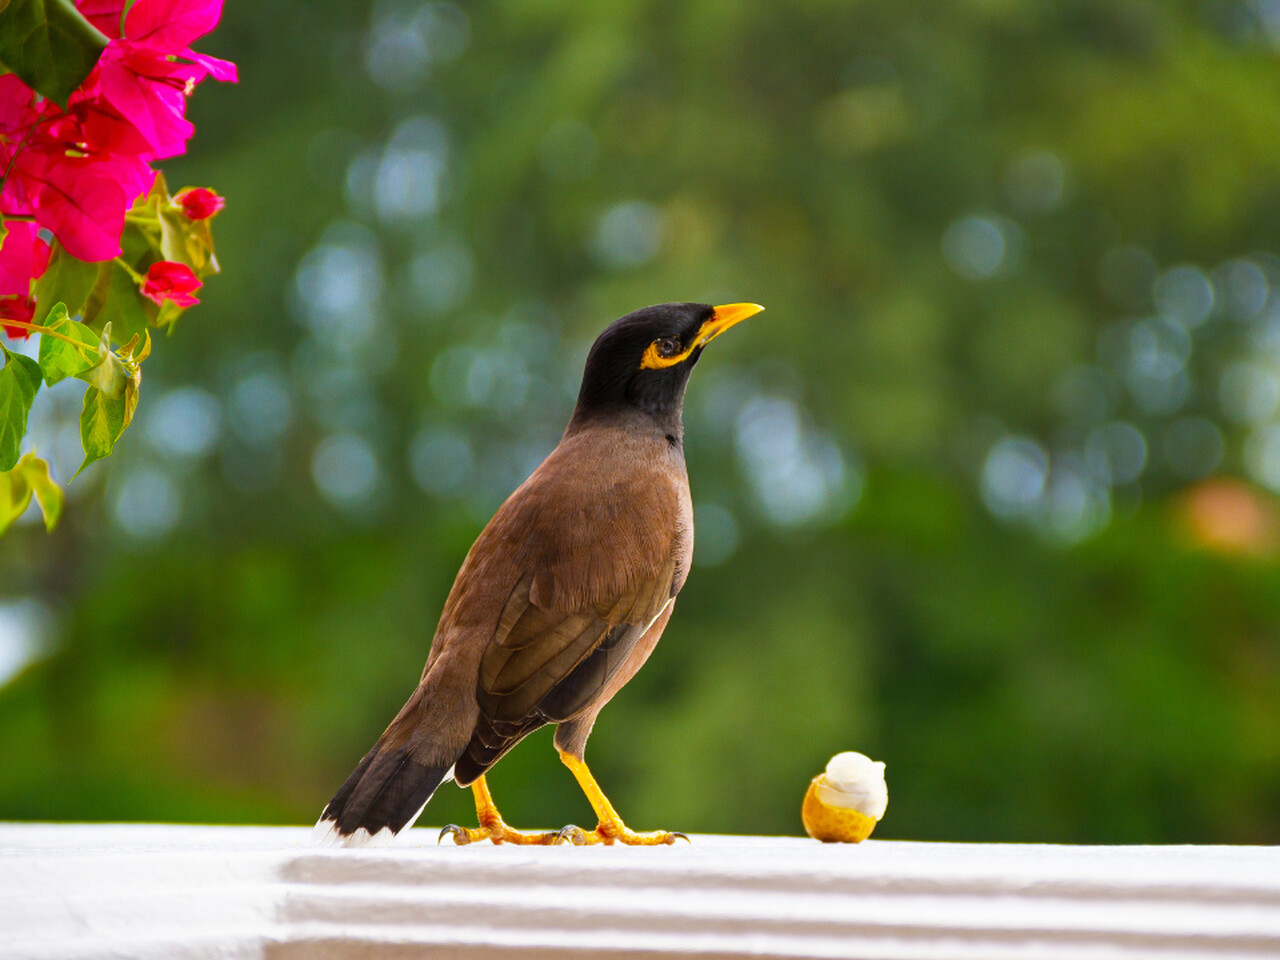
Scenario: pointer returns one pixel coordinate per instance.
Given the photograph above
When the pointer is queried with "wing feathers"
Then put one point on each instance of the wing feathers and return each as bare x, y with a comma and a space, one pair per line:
522, 677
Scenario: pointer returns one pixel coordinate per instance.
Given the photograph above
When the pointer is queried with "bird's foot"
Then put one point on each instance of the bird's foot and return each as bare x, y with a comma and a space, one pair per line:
615, 831
496, 831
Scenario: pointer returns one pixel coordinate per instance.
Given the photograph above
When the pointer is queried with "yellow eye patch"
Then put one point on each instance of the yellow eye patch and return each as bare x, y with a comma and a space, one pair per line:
653, 360
722, 318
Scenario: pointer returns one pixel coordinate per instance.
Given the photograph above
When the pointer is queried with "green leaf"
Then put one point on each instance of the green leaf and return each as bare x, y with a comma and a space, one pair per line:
101, 422
50, 45
59, 359
168, 314
184, 240
110, 401
66, 280
19, 381
48, 494
108, 374
31, 475
15, 496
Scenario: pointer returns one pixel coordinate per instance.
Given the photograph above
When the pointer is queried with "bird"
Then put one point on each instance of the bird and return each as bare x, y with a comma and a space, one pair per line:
560, 601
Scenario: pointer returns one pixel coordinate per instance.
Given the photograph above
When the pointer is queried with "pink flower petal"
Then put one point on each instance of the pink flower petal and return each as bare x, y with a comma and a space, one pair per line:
200, 203
168, 280
103, 14
106, 131
17, 308
17, 259
222, 70
13, 198
171, 25
40, 254
83, 204
133, 82
16, 109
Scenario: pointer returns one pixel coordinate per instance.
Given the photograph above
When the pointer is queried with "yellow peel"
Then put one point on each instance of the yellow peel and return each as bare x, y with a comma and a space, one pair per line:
833, 824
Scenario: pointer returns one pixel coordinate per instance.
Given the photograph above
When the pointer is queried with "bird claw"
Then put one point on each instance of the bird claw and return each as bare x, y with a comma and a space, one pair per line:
677, 835
571, 834
458, 833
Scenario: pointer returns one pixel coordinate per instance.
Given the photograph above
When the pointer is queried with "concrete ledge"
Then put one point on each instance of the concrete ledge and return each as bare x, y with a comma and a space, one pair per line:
176, 892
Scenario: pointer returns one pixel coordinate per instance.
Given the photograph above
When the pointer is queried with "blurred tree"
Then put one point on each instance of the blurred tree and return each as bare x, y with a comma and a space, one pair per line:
987, 493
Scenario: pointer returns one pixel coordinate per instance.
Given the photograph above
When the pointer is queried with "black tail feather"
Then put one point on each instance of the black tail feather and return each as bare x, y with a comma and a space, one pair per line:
386, 791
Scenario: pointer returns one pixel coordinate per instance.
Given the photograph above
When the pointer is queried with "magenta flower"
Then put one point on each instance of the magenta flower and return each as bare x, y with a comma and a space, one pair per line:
200, 203
103, 14
77, 171
23, 258
168, 280
149, 91
142, 74
81, 201
16, 308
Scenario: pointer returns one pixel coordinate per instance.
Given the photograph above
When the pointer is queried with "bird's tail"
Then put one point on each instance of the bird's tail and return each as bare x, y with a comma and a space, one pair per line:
384, 794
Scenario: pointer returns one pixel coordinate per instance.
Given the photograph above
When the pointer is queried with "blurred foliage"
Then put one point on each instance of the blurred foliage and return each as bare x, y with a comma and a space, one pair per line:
987, 493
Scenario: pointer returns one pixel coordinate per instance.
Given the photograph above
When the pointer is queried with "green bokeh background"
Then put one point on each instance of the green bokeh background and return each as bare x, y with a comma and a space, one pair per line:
986, 493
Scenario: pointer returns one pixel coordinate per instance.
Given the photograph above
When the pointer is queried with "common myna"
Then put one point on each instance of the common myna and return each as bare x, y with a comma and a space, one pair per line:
560, 600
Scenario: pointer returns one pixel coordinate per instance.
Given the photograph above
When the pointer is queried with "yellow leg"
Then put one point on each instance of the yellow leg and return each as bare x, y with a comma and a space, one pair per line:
493, 827
611, 829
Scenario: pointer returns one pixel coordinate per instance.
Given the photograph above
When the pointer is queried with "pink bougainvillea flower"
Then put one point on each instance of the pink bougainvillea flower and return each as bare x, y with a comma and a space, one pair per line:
165, 25
17, 110
104, 132
18, 258
17, 114
168, 280
106, 15
23, 258
149, 90
200, 203
77, 170
16, 308
171, 25
143, 76
224, 71
81, 201
40, 258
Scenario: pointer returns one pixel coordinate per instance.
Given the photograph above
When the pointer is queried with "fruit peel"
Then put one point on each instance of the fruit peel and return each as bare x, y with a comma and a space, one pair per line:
845, 802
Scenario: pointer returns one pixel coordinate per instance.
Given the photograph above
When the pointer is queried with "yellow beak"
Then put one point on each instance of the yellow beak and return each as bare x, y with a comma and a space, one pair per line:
723, 318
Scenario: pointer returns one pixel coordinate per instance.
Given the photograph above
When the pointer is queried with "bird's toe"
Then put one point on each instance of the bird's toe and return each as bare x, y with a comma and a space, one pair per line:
572, 834
620, 833
461, 835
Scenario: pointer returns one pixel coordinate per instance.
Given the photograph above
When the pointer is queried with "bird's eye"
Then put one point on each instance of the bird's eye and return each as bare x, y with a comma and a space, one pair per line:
668, 347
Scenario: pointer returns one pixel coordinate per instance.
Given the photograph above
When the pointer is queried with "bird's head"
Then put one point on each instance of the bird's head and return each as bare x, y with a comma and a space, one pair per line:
642, 361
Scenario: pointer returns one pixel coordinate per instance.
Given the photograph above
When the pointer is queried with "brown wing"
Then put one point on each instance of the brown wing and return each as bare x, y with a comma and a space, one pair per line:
546, 665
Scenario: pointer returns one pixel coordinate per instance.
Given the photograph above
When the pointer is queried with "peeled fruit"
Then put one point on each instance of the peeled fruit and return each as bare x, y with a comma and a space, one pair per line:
846, 801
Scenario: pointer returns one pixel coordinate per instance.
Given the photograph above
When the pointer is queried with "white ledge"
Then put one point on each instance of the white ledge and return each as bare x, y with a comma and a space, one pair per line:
177, 892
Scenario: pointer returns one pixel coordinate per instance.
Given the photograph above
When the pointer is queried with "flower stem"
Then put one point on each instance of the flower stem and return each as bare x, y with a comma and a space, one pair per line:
47, 331
137, 277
